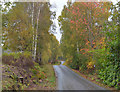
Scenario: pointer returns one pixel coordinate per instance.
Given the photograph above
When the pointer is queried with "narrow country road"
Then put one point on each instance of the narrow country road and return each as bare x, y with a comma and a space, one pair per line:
69, 80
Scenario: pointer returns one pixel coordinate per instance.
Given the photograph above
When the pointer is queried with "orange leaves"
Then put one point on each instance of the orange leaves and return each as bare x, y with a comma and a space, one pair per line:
101, 41
93, 42
76, 28
84, 49
77, 8
71, 27
94, 46
81, 49
83, 53
73, 12
87, 42
83, 17
72, 21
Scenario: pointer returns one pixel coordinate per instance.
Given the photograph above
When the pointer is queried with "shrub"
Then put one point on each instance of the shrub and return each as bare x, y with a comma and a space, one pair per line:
6, 59
79, 60
27, 54
90, 65
23, 60
16, 55
38, 72
110, 73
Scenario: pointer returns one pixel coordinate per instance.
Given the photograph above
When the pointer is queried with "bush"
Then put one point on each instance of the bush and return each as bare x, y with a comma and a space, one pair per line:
15, 55
90, 65
6, 59
23, 60
79, 60
27, 54
110, 73
38, 71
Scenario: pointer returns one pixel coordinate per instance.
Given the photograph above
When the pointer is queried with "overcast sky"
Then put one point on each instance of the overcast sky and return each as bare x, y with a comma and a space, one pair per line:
59, 6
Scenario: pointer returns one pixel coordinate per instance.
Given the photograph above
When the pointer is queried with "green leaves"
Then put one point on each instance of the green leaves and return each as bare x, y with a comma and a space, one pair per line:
24, 30
87, 33
17, 30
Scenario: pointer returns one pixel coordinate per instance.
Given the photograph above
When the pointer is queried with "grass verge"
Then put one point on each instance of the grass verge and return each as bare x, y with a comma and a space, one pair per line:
50, 81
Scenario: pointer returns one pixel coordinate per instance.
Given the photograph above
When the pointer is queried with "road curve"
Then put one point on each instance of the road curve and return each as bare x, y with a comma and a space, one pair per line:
69, 80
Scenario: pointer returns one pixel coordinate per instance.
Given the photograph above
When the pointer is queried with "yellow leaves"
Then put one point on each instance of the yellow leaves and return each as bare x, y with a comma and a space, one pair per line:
90, 65
94, 46
22, 42
80, 68
69, 60
102, 42
108, 53
72, 45
103, 39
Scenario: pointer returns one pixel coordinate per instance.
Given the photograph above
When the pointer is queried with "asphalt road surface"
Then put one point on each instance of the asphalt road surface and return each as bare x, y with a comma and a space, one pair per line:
69, 80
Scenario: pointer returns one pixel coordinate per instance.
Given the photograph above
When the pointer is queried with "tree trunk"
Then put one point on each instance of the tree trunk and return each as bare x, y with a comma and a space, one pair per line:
77, 48
33, 30
36, 34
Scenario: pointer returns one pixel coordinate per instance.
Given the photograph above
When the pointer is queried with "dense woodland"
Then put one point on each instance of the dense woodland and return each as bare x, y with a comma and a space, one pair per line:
29, 46
27, 27
90, 39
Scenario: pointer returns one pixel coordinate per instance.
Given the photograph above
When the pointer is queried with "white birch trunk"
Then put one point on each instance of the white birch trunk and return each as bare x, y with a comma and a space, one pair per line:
36, 35
77, 48
33, 29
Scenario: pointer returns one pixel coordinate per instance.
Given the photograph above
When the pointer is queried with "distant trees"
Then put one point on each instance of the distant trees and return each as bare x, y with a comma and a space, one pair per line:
26, 27
55, 49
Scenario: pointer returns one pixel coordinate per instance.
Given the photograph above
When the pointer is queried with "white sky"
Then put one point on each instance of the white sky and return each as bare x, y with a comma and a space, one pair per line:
59, 6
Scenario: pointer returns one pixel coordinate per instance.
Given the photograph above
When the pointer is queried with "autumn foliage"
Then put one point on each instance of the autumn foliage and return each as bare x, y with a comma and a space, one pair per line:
87, 37
85, 25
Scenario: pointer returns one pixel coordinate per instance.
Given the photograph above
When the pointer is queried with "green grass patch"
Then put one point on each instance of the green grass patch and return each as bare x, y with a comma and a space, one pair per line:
50, 80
